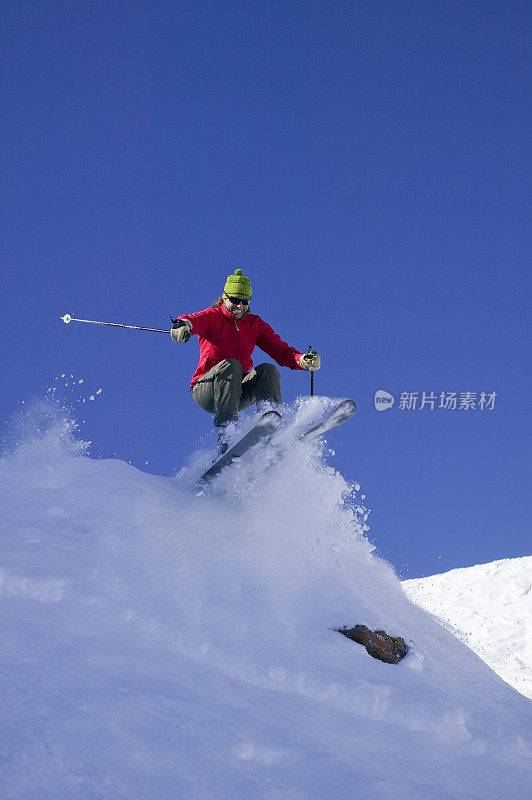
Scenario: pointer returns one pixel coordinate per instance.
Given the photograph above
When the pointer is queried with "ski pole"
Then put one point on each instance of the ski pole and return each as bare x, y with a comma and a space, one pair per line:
67, 318
311, 376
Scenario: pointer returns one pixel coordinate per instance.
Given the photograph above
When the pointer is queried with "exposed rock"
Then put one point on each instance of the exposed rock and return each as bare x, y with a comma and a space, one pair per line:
379, 644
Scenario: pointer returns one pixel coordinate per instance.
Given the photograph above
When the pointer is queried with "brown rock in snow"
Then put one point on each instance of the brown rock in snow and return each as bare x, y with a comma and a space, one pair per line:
379, 644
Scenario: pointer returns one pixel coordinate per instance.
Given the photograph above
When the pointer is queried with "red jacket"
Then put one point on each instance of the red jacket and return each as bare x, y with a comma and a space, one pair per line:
221, 337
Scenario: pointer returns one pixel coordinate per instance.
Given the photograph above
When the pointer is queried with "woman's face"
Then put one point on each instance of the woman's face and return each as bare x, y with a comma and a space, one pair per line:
237, 309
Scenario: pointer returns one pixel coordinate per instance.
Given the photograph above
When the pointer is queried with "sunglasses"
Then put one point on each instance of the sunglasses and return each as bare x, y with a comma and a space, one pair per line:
236, 300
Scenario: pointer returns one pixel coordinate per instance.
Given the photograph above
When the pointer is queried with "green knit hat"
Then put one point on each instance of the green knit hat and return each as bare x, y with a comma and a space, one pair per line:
238, 285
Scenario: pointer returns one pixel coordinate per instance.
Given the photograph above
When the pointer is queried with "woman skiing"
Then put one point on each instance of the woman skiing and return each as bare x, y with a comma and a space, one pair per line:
225, 381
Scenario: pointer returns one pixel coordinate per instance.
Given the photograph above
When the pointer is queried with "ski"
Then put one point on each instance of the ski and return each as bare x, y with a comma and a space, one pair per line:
342, 413
264, 428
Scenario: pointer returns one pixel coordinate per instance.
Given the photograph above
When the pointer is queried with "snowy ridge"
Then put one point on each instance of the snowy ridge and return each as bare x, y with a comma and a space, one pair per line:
162, 643
489, 608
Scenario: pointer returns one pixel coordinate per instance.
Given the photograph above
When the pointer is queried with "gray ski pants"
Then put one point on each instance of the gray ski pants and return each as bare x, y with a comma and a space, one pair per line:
224, 392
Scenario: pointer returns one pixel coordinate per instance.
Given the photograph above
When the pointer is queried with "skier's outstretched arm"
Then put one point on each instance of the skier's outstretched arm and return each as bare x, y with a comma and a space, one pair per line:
280, 351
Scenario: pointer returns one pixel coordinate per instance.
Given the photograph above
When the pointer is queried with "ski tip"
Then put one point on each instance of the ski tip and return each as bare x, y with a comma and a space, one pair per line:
271, 415
271, 419
345, 409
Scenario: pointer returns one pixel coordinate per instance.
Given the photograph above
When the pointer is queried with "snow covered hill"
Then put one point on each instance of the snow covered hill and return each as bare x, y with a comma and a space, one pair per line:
161, 644
489, 607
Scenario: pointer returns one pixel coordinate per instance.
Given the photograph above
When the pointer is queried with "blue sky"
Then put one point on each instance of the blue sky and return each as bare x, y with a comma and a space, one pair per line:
365, 162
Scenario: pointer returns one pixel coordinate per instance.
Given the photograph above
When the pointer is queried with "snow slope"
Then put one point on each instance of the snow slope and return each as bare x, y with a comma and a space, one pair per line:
157, 644
489, 607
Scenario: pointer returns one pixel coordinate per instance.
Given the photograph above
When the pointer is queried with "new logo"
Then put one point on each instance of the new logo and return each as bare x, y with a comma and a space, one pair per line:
383, 400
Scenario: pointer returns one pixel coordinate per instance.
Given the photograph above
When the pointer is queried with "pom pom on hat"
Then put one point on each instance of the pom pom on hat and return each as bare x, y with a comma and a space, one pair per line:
238, 285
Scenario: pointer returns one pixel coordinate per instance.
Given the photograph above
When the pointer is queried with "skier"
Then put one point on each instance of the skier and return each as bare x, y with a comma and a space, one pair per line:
225, 381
